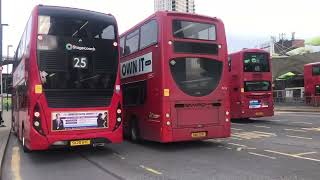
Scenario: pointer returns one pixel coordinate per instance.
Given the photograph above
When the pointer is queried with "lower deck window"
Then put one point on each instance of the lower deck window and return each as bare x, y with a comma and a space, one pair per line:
134, 93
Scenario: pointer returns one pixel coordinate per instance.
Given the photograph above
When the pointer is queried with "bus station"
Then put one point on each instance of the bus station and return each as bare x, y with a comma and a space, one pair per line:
162, 89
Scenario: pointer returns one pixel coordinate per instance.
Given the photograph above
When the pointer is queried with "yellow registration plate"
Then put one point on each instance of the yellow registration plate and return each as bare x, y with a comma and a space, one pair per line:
80, 143
198, 134
259, 114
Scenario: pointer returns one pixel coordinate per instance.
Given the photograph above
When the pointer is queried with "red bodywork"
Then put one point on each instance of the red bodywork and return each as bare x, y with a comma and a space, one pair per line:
311, 83
23, 117
239, 98
177, 114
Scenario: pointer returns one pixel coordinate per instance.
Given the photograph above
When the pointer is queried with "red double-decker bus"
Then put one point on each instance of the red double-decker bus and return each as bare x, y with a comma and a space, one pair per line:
250, 84
174, 78
312, 83
66, 84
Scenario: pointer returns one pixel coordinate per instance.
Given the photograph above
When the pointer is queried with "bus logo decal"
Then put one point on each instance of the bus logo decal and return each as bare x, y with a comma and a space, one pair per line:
70, 47
137, 66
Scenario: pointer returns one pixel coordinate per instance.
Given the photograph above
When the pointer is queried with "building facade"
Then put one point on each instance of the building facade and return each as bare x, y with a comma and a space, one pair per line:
175, 5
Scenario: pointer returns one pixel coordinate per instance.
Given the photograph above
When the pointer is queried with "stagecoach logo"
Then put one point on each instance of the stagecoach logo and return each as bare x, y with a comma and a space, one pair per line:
70, 47
137, 66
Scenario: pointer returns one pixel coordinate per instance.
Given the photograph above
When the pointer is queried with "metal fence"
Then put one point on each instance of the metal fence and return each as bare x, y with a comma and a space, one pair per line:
313, 101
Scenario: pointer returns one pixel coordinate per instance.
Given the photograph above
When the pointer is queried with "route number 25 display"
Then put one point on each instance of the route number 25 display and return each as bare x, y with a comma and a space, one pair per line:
80, 62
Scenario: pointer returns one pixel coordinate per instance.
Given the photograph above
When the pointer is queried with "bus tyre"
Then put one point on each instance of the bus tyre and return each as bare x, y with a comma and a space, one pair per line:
24, 147
134, 131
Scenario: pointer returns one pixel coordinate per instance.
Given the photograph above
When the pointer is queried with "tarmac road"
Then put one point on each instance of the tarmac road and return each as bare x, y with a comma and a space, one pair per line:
284, 147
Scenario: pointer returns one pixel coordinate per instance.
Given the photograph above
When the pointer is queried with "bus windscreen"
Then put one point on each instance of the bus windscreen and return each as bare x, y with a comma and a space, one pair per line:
77, 55
193, 30
250, 86
315, 70
256, 62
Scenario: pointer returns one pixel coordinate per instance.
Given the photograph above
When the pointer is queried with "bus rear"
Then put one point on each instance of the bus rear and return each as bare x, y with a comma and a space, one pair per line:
251, 84
181, 92
69, 77
312, 83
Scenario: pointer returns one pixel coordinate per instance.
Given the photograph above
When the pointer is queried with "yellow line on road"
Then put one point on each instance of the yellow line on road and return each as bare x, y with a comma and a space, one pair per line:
311, 129
151, 170
299, 137
306, 153
301, 122
262, 155
293, 155
262, 126
15, 163
296, 130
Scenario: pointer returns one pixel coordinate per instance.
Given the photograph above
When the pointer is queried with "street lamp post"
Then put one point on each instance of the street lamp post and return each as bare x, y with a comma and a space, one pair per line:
7, 78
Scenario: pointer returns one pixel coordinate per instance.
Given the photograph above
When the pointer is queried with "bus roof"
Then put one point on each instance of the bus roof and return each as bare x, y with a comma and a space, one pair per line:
311, 64
74, 12
171, 13
250, 50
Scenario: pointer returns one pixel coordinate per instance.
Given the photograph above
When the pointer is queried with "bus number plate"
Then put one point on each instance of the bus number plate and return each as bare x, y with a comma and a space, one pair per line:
80, 143
198, 134
259, 114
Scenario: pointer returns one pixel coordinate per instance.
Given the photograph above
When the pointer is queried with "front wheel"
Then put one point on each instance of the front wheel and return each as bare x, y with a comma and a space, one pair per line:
23, 141
134, 131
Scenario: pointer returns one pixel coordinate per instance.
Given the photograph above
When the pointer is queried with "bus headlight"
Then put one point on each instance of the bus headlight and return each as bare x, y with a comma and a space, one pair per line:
119, 111
168, 123
119, 119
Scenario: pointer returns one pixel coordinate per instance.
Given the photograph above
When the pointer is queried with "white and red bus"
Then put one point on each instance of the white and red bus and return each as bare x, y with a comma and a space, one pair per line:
66, 85
250, 84
174, 78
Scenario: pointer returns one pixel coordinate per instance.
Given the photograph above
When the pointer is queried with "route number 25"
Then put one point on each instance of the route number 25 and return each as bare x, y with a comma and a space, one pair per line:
80, 62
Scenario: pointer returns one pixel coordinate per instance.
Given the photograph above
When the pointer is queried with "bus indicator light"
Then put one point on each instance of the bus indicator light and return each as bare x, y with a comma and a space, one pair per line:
166, 92
38, 88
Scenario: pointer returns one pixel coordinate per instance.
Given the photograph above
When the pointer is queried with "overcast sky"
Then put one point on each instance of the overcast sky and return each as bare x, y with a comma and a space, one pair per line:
248, 22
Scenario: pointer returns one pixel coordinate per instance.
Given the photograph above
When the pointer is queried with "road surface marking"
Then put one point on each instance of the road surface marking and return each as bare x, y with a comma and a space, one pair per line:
299, 137
311, 129
237, 144
237, 129
119, 156
301, 122
272, 134
235, 138
238, 124
282, 120
262, 126
151, 170
252, 135
306, 153
262, 155
15, 163
296, 130
293, 155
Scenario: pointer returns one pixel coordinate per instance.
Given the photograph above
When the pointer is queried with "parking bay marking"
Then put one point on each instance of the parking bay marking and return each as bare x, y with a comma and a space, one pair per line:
151, 170
312, 129
296, 130
253, 135
299, 137
293, 155
262, 155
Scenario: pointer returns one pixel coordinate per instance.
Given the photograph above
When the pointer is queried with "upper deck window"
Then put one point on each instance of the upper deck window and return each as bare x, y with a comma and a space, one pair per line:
75, 28
256, 62
149, 34
316, 70
132, 42
193, 30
